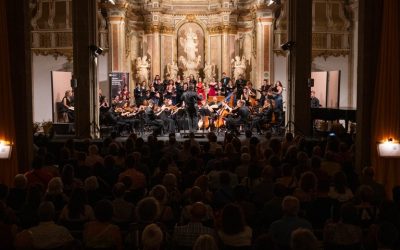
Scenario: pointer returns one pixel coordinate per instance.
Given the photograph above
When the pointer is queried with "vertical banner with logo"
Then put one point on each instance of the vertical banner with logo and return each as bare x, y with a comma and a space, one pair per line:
119, 86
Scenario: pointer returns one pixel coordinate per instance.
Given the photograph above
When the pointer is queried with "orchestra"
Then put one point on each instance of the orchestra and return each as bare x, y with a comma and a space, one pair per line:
172, 105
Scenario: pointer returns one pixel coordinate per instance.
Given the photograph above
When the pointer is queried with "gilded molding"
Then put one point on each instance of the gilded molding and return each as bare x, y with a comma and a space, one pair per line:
67, 52
191, 17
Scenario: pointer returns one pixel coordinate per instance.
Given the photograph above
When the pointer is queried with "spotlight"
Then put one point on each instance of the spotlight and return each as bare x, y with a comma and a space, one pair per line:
288, 45
96, 50
271, 2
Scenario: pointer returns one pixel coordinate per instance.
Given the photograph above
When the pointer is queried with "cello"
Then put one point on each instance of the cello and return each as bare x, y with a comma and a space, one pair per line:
221, 114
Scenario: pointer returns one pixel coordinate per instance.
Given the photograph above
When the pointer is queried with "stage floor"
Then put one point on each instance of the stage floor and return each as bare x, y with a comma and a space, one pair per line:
201, 136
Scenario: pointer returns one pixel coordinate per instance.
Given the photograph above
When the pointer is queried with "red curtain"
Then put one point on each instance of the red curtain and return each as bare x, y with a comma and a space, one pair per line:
386, 99
8, 168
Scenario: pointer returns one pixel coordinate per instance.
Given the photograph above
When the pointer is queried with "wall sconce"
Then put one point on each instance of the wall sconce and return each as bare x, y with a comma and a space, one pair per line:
5, 150
389, 148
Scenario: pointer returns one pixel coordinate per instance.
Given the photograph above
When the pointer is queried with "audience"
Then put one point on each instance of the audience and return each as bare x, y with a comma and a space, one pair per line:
250, 194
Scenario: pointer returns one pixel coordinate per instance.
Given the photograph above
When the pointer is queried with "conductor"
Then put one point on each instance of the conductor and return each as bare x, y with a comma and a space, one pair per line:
190, 98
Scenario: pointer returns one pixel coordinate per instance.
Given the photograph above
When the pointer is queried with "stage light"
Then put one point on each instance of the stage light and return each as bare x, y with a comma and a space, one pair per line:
288, 45
111, 1
389, 148
5, 150
95, 50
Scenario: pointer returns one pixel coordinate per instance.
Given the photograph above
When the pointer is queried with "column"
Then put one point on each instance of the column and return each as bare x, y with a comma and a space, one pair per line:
85, 68
225, 52
300, 21
156, 53
116, 30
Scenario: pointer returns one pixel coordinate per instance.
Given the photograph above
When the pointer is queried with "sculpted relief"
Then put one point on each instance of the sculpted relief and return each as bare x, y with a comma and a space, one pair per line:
190, 49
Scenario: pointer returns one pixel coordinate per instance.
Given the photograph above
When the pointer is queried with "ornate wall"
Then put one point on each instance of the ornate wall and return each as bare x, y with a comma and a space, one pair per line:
229, 29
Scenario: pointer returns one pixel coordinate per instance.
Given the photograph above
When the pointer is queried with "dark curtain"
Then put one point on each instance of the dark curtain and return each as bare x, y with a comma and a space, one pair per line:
386, 99
8, 168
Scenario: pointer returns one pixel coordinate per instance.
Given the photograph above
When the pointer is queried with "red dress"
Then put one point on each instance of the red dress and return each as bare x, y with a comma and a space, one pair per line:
201, 91
212, 91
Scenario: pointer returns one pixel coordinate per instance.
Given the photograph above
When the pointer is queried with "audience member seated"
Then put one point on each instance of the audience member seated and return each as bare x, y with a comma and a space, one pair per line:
93, 192
152, 237
27, 215
339, 191
197, 195
55, 194
205, 242
344, 234
303, 239
47, 234
101, 234
263, 191
233, 231
77, 211
124, 212
7, 230
38, 175
367, 178
93, 156
137, 177
366, 210
17, 194
282, 229
186, 235
272, 209
166, 216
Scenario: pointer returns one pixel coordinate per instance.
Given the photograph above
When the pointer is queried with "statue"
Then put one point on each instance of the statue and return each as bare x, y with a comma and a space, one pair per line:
172, 70
209, 72
191, 63
239, 66
189, 45
142, 67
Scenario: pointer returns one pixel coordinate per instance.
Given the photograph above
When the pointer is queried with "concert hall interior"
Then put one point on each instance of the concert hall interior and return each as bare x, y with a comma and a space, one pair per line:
272, 124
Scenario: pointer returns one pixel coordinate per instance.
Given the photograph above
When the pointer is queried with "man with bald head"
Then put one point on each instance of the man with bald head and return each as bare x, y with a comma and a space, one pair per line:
281, 230
185, 236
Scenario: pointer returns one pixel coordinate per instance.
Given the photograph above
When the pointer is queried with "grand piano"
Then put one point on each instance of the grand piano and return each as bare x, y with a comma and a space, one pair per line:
331, 114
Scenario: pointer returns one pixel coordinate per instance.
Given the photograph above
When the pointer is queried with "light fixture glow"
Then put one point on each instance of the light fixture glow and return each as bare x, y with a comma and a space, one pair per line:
5, 150
389, 148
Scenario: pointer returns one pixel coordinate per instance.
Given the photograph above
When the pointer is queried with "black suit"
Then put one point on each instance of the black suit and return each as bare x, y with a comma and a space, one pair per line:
225, 80
243, 114
190, 98
240, 83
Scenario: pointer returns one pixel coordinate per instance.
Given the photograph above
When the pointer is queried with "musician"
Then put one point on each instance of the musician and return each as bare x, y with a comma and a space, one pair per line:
151, 119
124, 93
139, 93
277, 92
263, 116
178, 92
240, 83
225, 80
201, 90
212, 91
192, 81
220, 89
314, 100
165, 115
190, 98
264, 91
242, 114
249, 94
66, 106
156, 80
